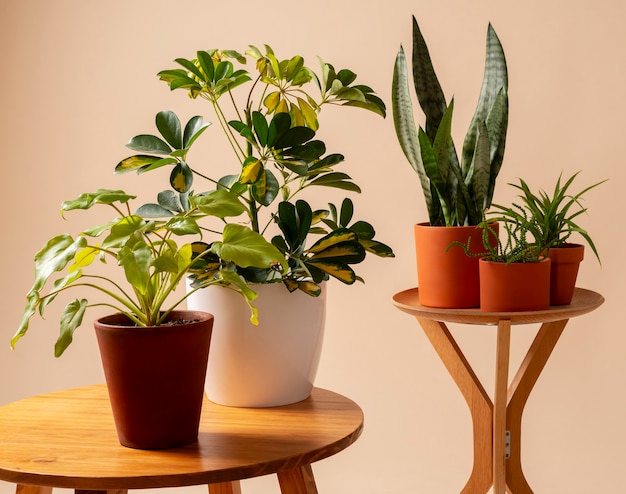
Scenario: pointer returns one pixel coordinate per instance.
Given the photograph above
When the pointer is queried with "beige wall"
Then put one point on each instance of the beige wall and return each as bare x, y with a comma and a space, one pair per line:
78, 79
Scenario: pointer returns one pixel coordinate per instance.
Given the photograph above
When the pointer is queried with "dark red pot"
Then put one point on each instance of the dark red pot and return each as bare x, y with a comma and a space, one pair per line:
155, 377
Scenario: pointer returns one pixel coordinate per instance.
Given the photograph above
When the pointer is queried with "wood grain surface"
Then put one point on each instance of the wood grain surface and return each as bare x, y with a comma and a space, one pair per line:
67, 439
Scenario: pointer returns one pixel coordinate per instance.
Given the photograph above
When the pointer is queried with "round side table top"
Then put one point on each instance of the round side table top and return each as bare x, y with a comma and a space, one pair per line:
584, 301
68, 439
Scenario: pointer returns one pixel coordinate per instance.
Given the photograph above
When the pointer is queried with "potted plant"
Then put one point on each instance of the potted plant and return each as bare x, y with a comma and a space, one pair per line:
154, 355
456, 190
514, 273
555, 222
269, 116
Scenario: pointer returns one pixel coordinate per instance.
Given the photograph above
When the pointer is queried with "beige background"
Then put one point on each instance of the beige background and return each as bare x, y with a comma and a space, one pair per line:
78, 79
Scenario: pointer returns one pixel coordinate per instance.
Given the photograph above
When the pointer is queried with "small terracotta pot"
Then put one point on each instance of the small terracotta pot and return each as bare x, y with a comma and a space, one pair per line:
448, 279
155, 377
514, 287
564, 271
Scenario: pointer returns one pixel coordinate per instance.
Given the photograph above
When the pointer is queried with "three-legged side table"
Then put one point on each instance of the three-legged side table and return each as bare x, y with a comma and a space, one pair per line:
496, 425
67, 439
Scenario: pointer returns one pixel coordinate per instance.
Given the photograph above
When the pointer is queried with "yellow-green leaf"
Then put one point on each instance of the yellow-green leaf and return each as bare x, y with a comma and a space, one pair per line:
251, 171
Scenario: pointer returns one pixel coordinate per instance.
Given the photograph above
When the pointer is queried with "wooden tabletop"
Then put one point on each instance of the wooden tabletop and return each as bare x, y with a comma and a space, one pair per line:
583, 301
67, 439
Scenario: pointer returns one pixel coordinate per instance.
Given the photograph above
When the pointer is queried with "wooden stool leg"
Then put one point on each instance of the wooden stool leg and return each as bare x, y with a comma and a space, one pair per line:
477, 399
32, 489
503, 344
297, 481
103, 491
225, 488
520, 389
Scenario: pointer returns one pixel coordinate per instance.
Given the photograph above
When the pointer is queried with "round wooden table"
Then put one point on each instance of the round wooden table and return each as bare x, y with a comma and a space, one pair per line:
496, 425
67, 439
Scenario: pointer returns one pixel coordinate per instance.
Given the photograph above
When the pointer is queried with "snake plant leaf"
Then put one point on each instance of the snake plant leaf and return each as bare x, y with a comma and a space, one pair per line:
146, 143
71, 319
221, 203
442, 144
495, 79
427, 86
247, 248
497, 123
181, 178
169, 126
404, 123
481, 173
194, 129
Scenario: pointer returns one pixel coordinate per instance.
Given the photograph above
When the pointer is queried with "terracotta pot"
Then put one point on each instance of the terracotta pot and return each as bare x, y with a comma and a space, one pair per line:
564, 271
514, 287
448, 279
272, 364
155, 377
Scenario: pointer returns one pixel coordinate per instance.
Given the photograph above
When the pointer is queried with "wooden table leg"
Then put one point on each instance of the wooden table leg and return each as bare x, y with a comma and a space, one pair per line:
297, 481
477, 399
225, 488
520, 389
503, 344
32, 489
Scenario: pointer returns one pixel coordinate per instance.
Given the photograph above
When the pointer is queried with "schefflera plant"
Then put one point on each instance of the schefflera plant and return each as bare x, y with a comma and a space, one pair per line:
271, 129
456, 191
153, 263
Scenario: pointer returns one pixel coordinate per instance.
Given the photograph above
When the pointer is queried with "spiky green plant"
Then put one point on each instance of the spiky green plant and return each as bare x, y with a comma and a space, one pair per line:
555, 215
456, 192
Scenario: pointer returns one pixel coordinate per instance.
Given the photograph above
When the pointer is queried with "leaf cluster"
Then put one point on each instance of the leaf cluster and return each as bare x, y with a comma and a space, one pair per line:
152, 261
456, 191
554, 215
272, 130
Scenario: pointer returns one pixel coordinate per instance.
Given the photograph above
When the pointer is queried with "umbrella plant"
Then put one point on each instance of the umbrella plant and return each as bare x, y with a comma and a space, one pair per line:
270, 117
152, 261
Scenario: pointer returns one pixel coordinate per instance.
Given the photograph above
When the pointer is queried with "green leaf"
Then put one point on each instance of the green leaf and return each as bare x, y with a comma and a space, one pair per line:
123, 230
338, 236
336, 179
169, 126
260, 127
136, 261
146, 143
180, 225
247, 248
135, 162
153, 211
71, 319
221, 203
268, 192
194, 129
340, 271
181, 178
347, 210
100, 196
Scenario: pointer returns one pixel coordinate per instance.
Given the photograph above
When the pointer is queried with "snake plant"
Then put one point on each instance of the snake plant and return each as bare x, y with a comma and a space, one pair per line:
456, 191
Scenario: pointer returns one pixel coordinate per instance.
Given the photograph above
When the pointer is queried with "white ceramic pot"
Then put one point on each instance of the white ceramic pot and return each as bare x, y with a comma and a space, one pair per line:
268, 365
